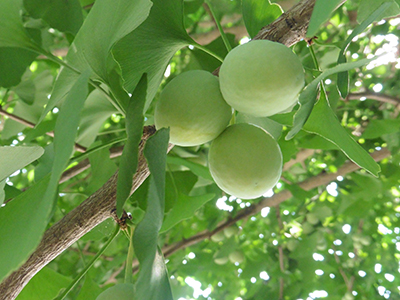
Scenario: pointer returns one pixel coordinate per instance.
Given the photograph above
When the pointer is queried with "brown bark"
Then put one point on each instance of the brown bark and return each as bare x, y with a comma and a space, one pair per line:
288, 29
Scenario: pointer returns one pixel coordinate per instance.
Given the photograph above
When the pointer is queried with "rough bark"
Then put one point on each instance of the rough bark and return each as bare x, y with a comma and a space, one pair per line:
287, 29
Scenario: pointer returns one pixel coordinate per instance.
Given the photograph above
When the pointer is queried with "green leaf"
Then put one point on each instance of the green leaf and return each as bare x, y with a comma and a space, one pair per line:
2, 192
343, 77
257, 14
45, 285
197, 169
43, 84
107, 23
13, 64
309, 94
14, 158
66, 16
90, 290
102, 168
96, 111
153, 282
137, 54
120, 291
130, 154
26, 90
367, 7
324, 122
22, 233
378, 128
204, 61
184, 209
321, 13
12, 31
65, 132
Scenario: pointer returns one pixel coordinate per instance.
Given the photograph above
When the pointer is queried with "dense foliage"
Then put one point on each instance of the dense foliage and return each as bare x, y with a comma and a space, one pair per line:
73, 92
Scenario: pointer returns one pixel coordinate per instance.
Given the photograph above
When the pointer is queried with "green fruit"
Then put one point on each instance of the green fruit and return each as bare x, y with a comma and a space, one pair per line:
218, 237
122, 291
261, 78
192, 106
365, 240
221, 260
245, 161
312, 218
230, 231
236, 257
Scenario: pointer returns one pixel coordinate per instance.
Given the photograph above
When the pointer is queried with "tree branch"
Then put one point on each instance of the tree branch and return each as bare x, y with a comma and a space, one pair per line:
374, 96
22, 121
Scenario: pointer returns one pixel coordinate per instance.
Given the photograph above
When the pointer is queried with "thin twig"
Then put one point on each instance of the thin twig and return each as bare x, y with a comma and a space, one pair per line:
374, 96
22, 121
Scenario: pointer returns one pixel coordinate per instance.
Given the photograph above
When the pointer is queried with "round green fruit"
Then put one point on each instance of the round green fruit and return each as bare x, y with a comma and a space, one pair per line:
231, 231
221, 260
122, 291
218, 237
245, 161
261, 78
312, 218
192, 106
236, 257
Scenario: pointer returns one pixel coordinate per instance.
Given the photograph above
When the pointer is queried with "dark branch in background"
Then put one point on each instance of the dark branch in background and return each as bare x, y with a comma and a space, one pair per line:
78, 147
374, 96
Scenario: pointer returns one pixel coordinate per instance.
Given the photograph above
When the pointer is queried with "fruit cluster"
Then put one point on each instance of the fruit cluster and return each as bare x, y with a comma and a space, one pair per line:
261, 78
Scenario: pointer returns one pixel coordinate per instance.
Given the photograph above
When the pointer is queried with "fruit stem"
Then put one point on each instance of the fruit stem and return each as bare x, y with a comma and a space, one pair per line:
129, 260
198, 46
221, 31
314, 57
84, 271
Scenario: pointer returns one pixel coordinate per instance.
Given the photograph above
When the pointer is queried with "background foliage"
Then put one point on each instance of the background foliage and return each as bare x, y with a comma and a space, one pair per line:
68, 69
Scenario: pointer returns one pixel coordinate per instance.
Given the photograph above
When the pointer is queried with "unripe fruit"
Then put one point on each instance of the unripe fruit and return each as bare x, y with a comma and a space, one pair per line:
122, 291
245, 161
218, 237
261, 78
221, 260
231, 231
236, 257
312, 218
193, 107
